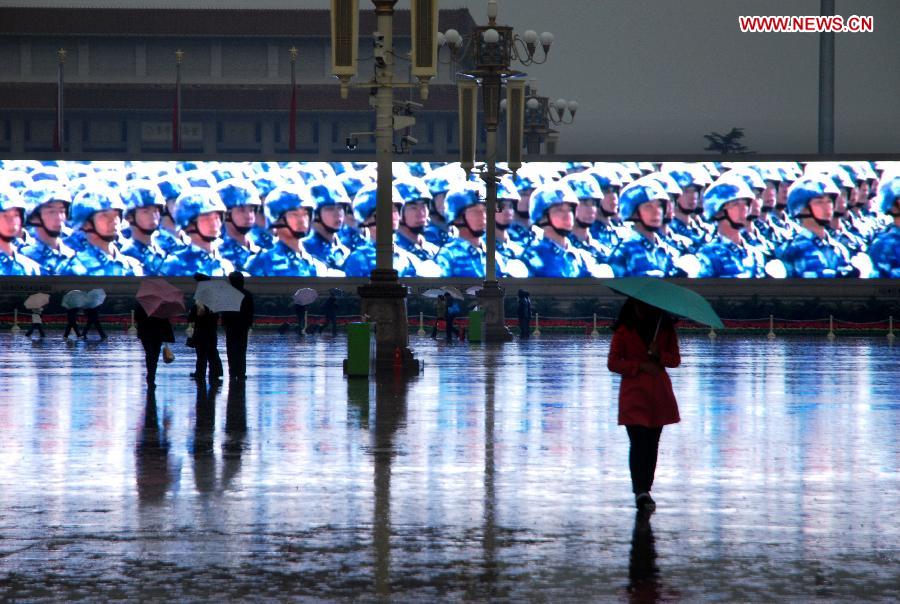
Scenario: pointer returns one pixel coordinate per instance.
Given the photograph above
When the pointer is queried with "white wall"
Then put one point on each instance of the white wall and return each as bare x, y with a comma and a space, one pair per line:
653, 76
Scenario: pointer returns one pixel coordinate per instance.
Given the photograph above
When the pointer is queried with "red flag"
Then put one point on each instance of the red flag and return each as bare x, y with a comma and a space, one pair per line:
176, 110
292, 122
58, 131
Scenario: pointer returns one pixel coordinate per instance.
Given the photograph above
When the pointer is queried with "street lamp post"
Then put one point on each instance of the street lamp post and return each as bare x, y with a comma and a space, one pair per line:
384, 297
493, 48
540, 114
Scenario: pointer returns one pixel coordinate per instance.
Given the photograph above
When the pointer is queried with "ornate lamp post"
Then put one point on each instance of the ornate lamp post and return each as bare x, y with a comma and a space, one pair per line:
540, 114
384, 298
492, 48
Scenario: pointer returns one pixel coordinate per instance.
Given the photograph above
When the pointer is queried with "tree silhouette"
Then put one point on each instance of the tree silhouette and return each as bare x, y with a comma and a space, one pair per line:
727, 144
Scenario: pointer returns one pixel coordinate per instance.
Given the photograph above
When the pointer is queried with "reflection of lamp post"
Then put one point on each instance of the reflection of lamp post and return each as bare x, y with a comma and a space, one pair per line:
540, 114
384, 298
492, 48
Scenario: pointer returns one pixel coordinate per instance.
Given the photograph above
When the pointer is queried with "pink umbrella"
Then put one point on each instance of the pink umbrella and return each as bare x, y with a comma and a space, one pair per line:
160, 299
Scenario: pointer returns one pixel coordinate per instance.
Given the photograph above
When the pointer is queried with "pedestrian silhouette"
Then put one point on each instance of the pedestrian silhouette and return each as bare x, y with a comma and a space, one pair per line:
152, 332
330, 311
152, 472
71, 323
644, 344
300, 312
205, 340
643, 573
36, 323
450, 315
237, 330
524, 313
440, 311
93, 320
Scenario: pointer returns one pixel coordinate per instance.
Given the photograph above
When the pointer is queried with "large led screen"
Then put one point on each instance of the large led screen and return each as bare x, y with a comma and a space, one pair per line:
566, 220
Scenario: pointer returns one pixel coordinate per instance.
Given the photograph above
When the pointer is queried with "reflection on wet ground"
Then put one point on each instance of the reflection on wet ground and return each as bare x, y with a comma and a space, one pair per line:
498, 473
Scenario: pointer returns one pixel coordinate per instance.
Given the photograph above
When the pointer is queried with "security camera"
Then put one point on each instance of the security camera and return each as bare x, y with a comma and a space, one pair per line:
410, 140
352, 143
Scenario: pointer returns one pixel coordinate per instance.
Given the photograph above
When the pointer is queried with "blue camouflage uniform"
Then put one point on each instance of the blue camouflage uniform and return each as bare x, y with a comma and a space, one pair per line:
810, 256
49, 259
459, 258
169, 242
773, 232
262, 237
885, 253
282, 261
599, 252
351, 237
425, 251
609, 234
18, 265
686, 237
439, 234
186, 261
94, 262
853, 242
546, 258
331, 253
524, 236
509, 249
77, 241
362, 261
723, 258
239, 255
755, 238
638, 256
151, 257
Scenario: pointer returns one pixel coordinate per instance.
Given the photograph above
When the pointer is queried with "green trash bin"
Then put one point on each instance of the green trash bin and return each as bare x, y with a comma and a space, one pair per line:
359, 349
476, 326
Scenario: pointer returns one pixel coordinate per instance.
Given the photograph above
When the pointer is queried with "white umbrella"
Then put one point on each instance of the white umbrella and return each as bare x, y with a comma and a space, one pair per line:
75, 299
305, 296
454, 292
95, 298
218, 296
473, 291
35, 301
432, 293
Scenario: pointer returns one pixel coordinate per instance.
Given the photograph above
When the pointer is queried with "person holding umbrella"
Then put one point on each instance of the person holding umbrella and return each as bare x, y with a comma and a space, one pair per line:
156, 302
644, 344
237, 330
205, 338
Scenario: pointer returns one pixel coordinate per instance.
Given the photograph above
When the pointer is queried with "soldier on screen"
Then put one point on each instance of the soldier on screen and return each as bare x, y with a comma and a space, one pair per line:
839, 228
440, 231
262, 236
781, 216
48, 205
729, 254
465, 255
170, 237
644, 252
12, 214
687, 208
199, 213
776, 235
608, 228
331, 204
362, 260
144, 205
553, 255
860, 219
813, 252
241, 199
97, 212
351, 234
589, 195
885, 249
410, 235
288, 211
507, 198
685, 246
523, 231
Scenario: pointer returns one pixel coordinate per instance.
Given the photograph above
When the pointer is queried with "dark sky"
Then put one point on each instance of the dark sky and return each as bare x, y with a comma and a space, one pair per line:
653, 76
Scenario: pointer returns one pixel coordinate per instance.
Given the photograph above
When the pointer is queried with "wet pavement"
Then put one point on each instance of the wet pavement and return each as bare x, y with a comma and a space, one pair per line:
498, 474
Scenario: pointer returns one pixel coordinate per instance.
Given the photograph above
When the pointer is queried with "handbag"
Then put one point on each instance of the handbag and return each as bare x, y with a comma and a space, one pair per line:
168, 355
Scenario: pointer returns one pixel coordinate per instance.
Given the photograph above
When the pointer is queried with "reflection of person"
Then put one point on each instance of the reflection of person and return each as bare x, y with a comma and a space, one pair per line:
152, 456
644, 343
71, 323
524, 313
152, 332
36, 323
237, 329
643, 573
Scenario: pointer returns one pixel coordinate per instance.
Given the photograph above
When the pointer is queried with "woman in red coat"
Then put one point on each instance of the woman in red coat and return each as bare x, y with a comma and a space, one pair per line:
644, 343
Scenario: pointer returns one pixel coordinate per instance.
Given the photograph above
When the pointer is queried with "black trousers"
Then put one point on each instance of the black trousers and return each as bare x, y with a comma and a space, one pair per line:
451, 331
331, 320
72, 325
207, 355
300, 311
236, 349
642, 456
151, 358
96, 324
34, 326
524, 327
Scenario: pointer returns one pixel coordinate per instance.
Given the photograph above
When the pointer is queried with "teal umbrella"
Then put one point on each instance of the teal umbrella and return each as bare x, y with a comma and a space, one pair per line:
669, 297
